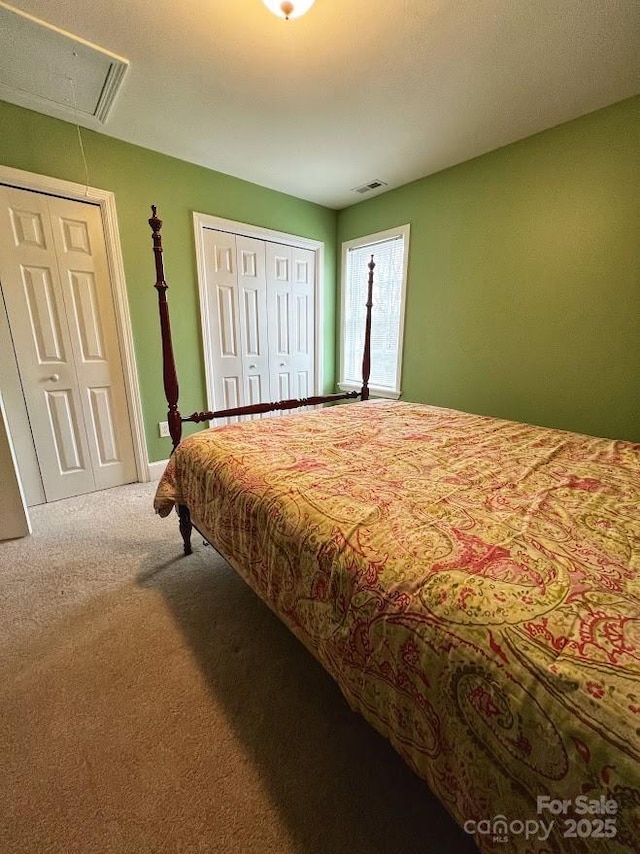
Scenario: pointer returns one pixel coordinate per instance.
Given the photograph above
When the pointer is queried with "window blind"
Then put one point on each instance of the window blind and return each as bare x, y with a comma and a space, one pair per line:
386, 315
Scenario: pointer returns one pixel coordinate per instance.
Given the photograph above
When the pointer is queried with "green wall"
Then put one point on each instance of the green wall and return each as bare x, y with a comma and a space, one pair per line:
139, 177
523, 294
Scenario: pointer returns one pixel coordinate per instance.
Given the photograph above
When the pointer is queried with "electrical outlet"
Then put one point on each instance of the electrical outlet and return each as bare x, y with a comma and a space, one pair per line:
163, 426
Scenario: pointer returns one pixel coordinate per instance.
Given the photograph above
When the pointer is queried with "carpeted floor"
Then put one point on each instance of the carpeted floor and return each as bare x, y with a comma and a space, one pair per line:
151, 703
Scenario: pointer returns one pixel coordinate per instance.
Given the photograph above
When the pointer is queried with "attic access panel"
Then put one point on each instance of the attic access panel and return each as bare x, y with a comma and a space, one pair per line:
52, 71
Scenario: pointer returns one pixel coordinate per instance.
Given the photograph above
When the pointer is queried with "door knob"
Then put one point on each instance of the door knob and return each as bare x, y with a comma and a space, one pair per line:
54, 378
252, 367
283, 364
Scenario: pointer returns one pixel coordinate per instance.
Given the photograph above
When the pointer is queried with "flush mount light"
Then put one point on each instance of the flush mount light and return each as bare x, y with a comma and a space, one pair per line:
288, 8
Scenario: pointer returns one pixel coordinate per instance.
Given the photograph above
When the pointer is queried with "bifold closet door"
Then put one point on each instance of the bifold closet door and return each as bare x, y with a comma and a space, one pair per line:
57, 290
290, 313
259, 319
252, 310
236, 319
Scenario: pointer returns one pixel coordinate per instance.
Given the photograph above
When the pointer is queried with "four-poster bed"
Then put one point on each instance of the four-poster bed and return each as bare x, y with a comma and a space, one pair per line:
472, 585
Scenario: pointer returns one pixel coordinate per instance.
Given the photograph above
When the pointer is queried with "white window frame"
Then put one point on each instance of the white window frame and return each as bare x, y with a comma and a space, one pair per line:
361, 242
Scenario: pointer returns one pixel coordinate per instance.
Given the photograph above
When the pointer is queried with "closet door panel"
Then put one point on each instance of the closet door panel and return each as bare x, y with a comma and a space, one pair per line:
17, 416
259, 322
252, 300
86, 289
302, 321
279, 307
223, 319
34, 300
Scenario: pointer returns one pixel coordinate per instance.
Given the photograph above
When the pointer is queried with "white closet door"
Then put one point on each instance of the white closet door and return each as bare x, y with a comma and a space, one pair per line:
279, 320
290, 310
57, 292
252, 304
302, 322
86, 288
35, 307
17, 415
222, 320
258, 302
14, 516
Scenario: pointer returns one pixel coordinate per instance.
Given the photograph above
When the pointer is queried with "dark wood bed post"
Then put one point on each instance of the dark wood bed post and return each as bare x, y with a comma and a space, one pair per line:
366, 355
169, 373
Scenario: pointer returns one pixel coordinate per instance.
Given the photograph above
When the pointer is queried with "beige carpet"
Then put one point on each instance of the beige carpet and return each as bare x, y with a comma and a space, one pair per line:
151, 703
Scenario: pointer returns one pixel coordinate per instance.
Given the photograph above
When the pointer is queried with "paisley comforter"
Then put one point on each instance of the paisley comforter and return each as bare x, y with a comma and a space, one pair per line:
472, 584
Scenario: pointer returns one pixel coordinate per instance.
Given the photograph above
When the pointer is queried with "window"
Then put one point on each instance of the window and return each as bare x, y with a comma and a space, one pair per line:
390, 250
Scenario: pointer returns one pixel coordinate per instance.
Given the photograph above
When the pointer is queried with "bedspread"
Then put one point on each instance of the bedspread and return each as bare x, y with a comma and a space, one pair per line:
472, 584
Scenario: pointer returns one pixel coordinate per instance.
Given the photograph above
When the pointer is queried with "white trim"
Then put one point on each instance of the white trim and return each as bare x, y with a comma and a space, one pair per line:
203, 221
375, 391
156, 470
107, 203
15, 517
369, 240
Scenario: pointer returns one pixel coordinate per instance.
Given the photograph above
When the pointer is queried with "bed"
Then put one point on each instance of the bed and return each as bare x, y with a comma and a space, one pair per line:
472, 585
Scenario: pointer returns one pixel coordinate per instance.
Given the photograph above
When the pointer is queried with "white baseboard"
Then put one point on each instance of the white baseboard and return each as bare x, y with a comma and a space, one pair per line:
156, 469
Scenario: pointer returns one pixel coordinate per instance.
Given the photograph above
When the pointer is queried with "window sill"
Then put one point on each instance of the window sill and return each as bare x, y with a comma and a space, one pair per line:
373, 391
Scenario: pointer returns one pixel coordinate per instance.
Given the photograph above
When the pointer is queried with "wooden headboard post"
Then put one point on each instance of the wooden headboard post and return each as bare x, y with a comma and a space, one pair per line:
168, 361
366, 355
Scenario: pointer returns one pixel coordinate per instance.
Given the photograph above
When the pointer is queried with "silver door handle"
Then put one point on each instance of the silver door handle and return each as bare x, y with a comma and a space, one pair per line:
252, 367
54, 378
283, 364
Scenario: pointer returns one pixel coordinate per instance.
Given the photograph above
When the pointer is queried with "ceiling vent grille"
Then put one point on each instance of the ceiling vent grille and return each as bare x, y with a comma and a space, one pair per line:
367, 188
52, 71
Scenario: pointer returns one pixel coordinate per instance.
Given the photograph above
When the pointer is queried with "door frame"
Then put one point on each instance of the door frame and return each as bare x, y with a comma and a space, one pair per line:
106, 200
202, 222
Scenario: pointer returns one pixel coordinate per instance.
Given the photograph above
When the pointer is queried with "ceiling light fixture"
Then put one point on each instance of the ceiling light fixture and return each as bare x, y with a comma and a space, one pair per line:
288, 8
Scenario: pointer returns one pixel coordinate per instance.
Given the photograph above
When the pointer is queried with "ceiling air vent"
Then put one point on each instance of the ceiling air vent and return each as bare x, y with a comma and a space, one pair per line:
367, 188
54, 72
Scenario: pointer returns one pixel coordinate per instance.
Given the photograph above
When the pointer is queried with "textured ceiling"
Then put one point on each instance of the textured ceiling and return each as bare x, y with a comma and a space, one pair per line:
353, 91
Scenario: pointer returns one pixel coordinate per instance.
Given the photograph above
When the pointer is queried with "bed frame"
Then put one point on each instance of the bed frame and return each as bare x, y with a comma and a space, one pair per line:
170, 376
